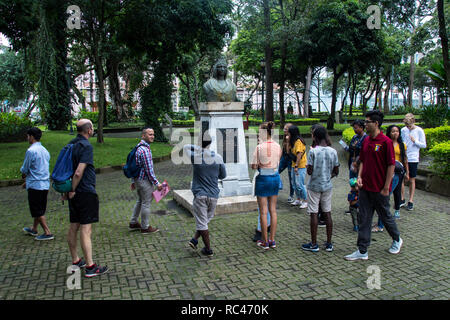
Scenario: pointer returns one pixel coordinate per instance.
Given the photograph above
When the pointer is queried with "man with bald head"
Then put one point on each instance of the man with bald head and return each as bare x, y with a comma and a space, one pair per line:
145, 183
83, 200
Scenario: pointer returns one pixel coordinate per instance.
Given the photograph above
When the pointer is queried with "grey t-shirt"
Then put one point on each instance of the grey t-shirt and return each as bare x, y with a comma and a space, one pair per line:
208, 169
323, 160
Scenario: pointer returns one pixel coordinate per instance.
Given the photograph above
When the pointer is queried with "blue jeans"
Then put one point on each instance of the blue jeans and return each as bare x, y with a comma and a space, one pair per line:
298, 180
285, 163
395, 181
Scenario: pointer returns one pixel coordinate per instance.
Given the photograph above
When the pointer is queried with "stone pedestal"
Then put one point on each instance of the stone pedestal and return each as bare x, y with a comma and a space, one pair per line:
223, 121
225, 205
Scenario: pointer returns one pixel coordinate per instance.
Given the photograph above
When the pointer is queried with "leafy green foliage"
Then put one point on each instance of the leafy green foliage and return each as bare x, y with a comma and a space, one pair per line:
434, 115
348, 134
441, 154
436, 135
12, 75
156, 101
13, 127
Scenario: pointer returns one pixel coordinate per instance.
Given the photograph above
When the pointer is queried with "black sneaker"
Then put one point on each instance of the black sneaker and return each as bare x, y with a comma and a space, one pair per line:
193, 243
410, 206
208, 253
95, 270
402, 203
322, 224
80, 264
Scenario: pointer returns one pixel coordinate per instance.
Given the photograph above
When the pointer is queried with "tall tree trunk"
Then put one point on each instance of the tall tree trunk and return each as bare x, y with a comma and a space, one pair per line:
332, 118
318, 91
307, 95
353, 94
268, 60
101, 94
411, 80
282, 68
386, 93
281, 98
346, 93
114, 87
91, 88
444, 40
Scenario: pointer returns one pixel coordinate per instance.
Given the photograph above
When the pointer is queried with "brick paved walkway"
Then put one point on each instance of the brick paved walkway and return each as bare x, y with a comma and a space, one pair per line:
161, 266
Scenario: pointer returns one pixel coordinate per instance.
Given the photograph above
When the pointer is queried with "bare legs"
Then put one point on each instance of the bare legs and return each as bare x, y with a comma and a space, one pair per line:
43, 222
205, 237
85, 241
314, 223
268, 203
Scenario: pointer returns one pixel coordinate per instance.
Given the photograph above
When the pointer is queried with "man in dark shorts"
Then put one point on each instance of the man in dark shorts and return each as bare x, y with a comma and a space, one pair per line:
83, 200
376, 170
35, 169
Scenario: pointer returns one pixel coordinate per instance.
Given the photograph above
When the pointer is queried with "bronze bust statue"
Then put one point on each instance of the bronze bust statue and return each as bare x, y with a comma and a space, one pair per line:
218, 88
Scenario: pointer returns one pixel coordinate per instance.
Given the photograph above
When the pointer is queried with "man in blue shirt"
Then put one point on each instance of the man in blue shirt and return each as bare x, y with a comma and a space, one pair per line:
35, 169
83, 200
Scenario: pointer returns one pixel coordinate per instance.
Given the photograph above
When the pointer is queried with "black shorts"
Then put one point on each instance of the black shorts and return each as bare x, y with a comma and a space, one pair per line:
412, 169
37, 200
83, 208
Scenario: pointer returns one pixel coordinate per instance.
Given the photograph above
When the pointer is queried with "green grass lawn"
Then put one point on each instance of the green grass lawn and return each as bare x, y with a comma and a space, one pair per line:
113, 151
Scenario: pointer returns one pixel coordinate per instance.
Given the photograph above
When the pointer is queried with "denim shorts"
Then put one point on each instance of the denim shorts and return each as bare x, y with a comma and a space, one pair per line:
267, 186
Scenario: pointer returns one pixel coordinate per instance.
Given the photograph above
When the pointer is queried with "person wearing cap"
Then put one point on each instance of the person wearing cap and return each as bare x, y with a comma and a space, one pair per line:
414, 138
208, 169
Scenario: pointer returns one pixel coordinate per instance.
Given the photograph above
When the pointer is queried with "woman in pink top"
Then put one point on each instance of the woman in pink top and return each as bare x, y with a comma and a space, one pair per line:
266, 159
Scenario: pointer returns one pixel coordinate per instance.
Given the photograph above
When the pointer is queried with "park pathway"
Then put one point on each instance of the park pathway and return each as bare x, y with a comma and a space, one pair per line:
161, 266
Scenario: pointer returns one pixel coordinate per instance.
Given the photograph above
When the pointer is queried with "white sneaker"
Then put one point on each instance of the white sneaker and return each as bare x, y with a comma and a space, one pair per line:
295, 203
357, 256
395, 247
303, 204
290, 200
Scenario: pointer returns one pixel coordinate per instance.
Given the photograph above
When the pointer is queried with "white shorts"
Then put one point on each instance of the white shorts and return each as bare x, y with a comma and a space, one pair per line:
322, 198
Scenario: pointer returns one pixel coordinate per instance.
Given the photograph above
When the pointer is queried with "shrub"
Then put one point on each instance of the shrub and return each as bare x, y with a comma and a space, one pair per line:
434, 115
91, 115
402, 110
348, 134
13, 128
183, 123
441, 154
436, 135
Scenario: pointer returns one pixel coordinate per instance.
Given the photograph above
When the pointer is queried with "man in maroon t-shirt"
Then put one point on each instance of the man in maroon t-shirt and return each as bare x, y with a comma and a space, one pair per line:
376, 170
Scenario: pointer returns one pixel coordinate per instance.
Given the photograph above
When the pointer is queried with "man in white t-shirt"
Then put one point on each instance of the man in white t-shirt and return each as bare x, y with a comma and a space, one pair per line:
414, 138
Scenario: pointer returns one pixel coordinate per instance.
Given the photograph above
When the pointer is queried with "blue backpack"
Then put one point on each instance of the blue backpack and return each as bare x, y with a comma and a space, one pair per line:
63, 170
131, 169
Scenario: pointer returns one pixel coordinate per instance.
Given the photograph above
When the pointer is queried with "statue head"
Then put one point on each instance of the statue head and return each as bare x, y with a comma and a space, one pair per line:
220, 69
